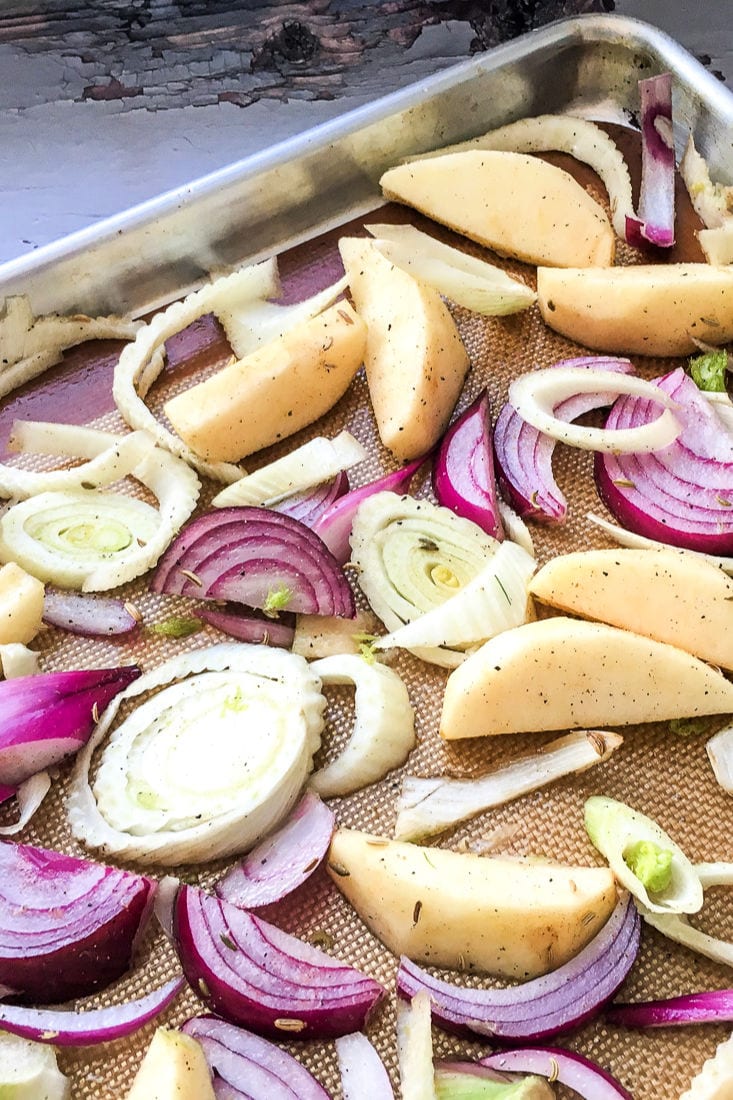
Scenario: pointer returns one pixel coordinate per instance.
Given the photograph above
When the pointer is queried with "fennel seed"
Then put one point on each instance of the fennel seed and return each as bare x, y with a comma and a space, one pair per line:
203, 988
588, 917
228, 942
95, 712
345, 317
428, 544
311, 866
327, 344
283, 1023
378, 841
722, 500
192, 577
598, 742
624, 483
555, 1071
461, 962
416, 913
339, 869
133, 611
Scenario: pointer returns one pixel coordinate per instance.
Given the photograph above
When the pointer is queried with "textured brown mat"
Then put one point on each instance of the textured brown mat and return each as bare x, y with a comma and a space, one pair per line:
666, 777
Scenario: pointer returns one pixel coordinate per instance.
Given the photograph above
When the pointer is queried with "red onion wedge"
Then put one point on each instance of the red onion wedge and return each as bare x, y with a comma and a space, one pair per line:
463, 469
363, 1076
713, 1007
309, 506
683, 494
524, 455
68, 926
98, 1025
285, 860
248, 1066
563, 1066
89, 615
655, 223
247, 624
257, 557
7, 793
563, 999
334, 525
45, 717
253, 974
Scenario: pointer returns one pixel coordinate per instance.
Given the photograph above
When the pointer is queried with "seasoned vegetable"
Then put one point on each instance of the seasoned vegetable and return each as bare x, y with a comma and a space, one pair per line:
29, 1071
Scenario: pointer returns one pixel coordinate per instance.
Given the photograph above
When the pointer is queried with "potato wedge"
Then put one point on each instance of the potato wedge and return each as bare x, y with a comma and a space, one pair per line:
664, 594
564, 673
174, 1068
652, 309
516, 204
498, 916
278, 389
415, 361
21, 605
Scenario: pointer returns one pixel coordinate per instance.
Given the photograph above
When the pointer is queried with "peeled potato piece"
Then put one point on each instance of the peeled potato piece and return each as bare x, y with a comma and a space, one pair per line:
653, 309
21, 605
516, 204
565, 673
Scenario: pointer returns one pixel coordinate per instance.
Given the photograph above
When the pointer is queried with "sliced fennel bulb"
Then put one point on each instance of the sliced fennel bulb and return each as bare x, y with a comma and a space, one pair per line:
29, 1071
205, 767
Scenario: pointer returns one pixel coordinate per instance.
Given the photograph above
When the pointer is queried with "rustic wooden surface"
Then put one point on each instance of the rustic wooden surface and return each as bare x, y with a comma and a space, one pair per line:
103, 105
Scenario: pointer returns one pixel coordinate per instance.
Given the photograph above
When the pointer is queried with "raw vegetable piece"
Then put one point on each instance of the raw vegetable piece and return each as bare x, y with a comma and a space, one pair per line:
679, 929
720, 754
96, 1025
496, 599
335, 523
17, 660
566, 998
29, 796
635, 541
563, 673
717, 244
579, 137
463, 469
524, 455
673, 597
249, 625
478, 194
715, 1079
141, 362
21, 605
643, 857
466, 280
713, 202
715, 1007
310, 505
415, 1049
30, 345
469, 1081
284, 861
428, 806
498, 916
84, 615
656, 202
362, 1072
69, 926
383, 734
413, 556
317, 461
535, 396
249, 1066
645, 309
29, 1071
319, 636
257, 557
182, 778
415, 362
708, 371
46, 717
274, 391
252, 974
564, 1066
714, 874
174, 1068
683, 494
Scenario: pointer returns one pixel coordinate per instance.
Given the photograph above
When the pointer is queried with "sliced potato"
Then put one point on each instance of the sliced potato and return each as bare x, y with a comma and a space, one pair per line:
653, 309
516, 204
174, 1068
276, 390
21, 605
564, 673
664, 594
415, 361
506, 917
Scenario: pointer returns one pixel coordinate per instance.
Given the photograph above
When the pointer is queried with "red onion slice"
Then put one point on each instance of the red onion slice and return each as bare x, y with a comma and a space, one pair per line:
88, 615
247, 624
285, 860
46, 717
245, 554
248, 1066
524, 455
99, 1025
565, 998
683, 494
309, 506
463, 469
68, 926
655, 223
255, 975
711, 1007
363, 1076
564, 1066
334, 525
